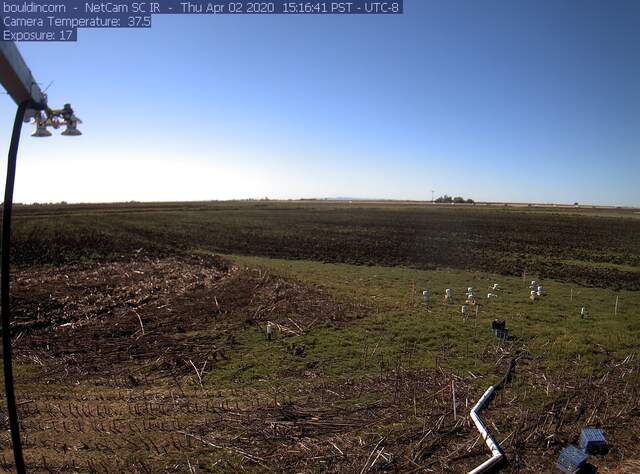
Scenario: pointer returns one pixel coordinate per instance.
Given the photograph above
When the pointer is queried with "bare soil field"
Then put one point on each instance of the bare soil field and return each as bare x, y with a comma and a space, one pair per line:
598, 247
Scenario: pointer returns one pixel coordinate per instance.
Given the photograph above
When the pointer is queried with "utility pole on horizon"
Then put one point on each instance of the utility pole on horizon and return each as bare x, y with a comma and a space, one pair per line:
432, 191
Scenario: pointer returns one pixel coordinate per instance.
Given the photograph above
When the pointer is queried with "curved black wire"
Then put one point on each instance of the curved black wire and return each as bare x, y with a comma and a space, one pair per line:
4, 290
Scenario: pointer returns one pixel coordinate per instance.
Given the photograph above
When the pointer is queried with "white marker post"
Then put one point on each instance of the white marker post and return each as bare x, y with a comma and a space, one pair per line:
453, 395
448, 297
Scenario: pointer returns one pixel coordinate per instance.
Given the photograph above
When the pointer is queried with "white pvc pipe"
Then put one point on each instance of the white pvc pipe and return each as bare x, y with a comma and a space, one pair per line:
496, 453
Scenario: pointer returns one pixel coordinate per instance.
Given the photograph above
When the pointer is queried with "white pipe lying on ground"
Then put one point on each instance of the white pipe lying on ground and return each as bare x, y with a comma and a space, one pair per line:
496, 453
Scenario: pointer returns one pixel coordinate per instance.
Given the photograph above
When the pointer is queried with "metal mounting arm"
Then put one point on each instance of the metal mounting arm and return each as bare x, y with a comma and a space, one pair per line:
17, 79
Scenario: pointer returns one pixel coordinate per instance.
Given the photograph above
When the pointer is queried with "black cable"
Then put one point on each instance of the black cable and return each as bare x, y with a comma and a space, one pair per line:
507, 376
4, 290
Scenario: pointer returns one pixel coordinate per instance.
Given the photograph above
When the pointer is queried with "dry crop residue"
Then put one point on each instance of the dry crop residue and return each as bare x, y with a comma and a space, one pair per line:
153, 316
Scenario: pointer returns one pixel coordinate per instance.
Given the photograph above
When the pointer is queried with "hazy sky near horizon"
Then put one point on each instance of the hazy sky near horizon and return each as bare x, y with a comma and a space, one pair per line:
530, 101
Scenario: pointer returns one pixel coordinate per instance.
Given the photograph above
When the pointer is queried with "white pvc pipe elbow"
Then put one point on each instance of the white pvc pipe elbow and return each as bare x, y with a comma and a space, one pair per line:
496, 453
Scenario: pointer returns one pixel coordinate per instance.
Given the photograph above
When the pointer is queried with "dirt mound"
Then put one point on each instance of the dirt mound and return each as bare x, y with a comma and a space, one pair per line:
154, 316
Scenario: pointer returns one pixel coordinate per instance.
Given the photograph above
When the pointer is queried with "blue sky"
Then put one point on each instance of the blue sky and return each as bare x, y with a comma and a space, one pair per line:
530, 101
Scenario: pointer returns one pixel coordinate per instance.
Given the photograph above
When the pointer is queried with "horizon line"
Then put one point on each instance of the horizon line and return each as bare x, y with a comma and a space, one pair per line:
341, 200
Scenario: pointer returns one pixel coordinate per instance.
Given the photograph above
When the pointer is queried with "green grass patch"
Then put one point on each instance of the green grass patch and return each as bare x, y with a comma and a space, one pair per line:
398, 327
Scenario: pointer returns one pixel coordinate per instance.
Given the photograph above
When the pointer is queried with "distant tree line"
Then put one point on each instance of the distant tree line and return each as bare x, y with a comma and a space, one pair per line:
456, 200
